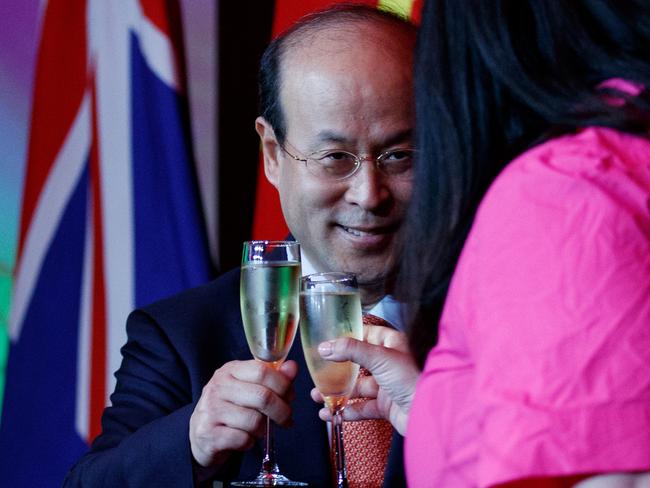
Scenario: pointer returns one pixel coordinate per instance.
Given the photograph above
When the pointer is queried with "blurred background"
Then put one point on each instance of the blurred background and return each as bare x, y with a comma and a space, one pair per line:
62, 224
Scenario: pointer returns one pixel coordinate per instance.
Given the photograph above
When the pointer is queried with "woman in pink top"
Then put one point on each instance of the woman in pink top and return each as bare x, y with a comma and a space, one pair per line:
527, 251
531, 224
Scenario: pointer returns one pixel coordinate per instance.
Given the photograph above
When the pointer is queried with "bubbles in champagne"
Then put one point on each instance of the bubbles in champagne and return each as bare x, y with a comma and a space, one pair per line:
326, 316
269, 308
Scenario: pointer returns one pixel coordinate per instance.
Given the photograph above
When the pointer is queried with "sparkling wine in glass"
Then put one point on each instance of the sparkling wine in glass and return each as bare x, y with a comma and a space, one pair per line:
270, 281
330, 307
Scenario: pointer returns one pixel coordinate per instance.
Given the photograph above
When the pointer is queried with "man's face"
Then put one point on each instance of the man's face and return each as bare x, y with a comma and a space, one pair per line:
348, 90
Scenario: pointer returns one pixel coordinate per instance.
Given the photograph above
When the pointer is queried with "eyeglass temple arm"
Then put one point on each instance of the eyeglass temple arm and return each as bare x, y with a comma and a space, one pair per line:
296, 158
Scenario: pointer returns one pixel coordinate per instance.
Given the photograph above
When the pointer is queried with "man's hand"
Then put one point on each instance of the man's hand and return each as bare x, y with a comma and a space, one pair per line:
390, 389
230, 415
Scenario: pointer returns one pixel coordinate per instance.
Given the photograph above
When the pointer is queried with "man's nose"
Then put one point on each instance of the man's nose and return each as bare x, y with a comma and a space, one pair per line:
367, 187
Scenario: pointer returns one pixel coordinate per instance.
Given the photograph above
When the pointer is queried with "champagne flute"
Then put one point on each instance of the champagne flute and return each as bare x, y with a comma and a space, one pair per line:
270, 278
330, 307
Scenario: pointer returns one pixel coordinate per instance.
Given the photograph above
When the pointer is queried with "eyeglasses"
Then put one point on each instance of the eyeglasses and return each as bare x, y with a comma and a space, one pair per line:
334, 164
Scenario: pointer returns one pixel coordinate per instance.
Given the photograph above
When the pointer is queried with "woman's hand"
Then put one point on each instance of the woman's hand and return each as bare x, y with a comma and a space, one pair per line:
386, 394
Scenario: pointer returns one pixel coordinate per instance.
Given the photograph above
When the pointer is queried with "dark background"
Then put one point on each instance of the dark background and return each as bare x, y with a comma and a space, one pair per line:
244, 32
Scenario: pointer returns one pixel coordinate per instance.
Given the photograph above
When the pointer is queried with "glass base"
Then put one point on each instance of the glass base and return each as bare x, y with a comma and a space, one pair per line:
270, 479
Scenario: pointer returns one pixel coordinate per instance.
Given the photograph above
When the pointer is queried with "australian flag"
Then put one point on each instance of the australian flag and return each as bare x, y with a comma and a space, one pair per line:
110, 220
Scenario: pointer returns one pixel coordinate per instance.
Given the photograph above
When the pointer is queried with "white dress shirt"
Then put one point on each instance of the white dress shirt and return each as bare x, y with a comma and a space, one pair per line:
387, 308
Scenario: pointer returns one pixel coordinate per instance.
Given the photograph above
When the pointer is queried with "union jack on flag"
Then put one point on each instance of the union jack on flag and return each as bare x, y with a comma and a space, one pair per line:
110, 220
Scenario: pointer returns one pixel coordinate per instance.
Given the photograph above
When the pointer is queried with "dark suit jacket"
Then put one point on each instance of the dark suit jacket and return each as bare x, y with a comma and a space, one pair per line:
173, 348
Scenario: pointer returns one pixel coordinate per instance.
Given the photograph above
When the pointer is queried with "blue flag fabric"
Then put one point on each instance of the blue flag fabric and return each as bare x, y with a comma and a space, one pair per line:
111, 220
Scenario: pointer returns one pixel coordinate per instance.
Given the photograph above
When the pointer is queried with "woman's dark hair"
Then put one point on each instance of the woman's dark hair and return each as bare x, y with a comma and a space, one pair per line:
340, 15
493, 78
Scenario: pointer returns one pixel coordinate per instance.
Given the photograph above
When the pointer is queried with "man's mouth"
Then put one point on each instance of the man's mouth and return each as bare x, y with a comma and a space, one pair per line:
368, 237
362, 233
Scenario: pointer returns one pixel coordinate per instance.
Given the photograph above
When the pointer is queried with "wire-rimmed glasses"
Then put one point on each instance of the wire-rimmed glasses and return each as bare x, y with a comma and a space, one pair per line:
337, 164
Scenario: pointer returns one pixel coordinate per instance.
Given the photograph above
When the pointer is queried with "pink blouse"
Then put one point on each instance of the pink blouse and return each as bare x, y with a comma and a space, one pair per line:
543, 362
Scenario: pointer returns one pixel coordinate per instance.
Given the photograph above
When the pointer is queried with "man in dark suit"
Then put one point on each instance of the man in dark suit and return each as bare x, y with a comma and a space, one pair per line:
189, 405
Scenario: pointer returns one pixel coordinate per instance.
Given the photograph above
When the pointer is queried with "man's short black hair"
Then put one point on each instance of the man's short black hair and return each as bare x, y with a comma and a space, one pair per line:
335, 16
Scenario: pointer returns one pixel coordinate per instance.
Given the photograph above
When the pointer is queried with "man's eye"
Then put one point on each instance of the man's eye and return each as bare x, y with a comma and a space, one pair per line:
399, 155
338, 156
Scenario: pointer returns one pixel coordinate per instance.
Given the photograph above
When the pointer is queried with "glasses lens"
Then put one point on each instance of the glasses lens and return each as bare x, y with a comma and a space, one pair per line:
333, 164
396, 162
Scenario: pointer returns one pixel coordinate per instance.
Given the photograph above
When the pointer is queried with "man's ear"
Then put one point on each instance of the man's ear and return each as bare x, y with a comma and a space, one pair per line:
270, 150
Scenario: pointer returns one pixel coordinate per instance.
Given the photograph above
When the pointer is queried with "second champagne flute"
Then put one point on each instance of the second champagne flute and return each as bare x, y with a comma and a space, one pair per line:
270, 279
330, 307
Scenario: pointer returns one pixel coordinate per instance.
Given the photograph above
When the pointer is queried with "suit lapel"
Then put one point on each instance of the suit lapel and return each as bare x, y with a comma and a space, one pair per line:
306, 444
394, 475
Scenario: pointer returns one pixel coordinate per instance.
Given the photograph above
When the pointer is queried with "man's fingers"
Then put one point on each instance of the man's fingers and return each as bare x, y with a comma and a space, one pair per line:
232, 410
257, 373
217, 427
208, 447
252, 385
229, 437
289, 369
261, 399
235, 417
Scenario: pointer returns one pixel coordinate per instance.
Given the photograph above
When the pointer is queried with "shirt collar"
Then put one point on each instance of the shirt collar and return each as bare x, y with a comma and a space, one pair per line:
387, 308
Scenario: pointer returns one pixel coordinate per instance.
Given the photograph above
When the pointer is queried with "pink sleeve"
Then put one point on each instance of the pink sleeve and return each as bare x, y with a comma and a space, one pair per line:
554, 291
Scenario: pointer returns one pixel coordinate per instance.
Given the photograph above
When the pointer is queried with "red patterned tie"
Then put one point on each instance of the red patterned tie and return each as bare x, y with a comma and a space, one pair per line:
367, 442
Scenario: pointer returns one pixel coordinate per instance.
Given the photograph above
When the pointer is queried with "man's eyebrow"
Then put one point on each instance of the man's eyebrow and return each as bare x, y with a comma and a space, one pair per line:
399, 137
328, 136
331, 137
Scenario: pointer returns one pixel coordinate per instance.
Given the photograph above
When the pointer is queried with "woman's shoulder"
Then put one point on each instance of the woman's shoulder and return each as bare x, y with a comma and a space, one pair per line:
573, 166
588, 148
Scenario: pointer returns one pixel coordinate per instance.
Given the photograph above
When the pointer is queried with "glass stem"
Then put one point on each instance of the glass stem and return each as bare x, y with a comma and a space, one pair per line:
269, 465
337, 446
